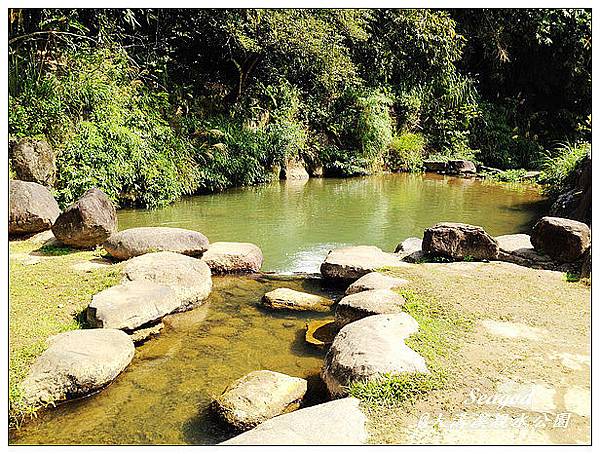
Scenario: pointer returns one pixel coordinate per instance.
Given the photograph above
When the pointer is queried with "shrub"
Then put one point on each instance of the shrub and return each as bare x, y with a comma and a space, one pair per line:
405, 153
559, 168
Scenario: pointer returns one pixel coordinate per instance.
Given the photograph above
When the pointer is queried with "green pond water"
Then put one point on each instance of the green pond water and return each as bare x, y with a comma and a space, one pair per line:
163, 397
297, 223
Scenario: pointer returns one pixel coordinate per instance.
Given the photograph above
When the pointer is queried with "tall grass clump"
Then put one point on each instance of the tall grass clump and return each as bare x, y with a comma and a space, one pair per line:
560, 165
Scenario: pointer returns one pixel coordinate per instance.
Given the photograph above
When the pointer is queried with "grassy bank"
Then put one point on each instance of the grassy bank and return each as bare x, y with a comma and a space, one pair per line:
47, 296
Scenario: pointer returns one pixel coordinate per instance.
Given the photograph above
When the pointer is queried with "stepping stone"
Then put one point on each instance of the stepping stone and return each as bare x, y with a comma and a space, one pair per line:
189, 277
375, 281
339, 422
130, 243
364, 304
77, 363
351, 263
286, 298
224, 257
32, 208
368, 348
91, 265
131, 305
258, 396
512, 330
518, 249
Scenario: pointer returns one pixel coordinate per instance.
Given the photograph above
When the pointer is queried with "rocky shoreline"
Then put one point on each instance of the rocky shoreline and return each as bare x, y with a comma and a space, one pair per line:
168, 270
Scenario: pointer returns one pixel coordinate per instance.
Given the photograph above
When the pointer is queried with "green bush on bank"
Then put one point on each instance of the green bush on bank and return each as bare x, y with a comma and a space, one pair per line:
405, 153
560, 165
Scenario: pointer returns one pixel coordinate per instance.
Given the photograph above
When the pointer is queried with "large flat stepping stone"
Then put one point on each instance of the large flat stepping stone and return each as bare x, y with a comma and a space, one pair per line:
353, 262
87, 222
375, 281
77, 363
286, 298
31, 208
564, 240
459, 241
131, 305
189, 277
130, 243
258, 396
368, 348
339, 422
227, 257
364, 304
518, 249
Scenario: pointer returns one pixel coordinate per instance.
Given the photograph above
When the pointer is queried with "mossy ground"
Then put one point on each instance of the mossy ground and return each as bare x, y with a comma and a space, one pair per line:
449, 300
46, 298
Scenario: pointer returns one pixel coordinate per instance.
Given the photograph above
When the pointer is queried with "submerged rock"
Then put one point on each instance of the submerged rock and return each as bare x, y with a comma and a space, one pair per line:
35, 161
375, 281
353, 262
130, 243
286, 298
564, 240
367, 303
88, 222
225, 257
131, 305
369, 347
339, 422
189, 277
458, 241
32, 208
77, 363
141, 335
259, 396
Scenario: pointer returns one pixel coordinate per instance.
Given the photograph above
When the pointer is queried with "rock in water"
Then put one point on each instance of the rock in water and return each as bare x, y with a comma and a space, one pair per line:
409, 245
131, 305
293, 170
189, 277
353, 262
137, 241
367, 303
435, 166
32, 208
369, 347
461, 166
564, 240
35, 161
224, 257
375, 281
339, 422
286, 298
458, 241
77, 363
88, 222
258, 396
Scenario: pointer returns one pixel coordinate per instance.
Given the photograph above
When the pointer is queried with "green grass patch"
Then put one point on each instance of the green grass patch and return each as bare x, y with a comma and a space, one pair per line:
45, 299
570, 276
440, 332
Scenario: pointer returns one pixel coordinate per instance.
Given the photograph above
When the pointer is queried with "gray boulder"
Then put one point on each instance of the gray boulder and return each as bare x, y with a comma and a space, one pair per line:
409, 245
435, 166
518, 249
131, 305
258, 396
224, 257
286, 298
368, 348
461, 166
375, 281
87, 222
188, 277
31, 209
457, 241
140, 240
353, 262
34, 160
339, 422
367, 303
77, 363
564, 240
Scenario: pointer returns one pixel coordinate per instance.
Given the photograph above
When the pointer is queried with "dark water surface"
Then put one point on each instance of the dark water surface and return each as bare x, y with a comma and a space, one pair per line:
296, 223
163, 397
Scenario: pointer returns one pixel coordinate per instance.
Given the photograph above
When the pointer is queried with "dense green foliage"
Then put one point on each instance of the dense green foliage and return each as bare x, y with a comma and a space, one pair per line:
150, 105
